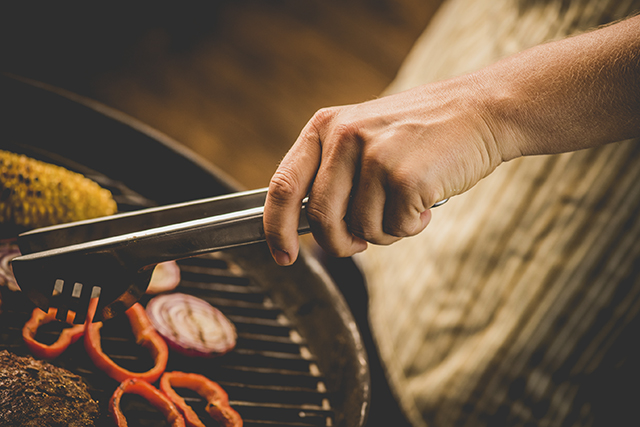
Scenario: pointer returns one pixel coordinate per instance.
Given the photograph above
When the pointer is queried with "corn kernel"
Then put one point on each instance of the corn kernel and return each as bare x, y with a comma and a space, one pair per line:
36, 194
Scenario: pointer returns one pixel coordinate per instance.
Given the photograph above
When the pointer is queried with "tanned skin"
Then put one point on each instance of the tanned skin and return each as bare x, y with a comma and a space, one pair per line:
372, 170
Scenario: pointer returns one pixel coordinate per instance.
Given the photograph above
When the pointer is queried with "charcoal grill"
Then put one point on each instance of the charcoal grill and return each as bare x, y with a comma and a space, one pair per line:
299, 360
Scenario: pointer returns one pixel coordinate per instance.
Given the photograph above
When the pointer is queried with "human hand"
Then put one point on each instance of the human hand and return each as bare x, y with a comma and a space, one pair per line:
372, 170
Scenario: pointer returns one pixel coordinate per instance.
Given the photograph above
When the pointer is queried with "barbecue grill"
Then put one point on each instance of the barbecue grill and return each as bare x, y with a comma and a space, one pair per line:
299, 359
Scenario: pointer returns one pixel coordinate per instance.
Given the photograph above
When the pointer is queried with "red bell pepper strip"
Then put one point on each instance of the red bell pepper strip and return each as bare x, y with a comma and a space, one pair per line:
145, 335
151, 394
217, 399
67, 337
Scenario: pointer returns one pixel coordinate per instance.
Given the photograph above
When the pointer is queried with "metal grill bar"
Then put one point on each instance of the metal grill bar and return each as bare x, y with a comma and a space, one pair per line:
271, 376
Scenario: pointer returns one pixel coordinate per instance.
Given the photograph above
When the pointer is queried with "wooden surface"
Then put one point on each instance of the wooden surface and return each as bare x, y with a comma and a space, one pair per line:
235, 80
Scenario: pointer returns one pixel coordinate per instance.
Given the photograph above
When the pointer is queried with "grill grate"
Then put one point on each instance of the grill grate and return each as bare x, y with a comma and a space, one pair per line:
272, 377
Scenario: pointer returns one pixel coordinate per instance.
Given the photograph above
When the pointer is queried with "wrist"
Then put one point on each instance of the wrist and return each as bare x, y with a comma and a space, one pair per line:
566, 95
499, 105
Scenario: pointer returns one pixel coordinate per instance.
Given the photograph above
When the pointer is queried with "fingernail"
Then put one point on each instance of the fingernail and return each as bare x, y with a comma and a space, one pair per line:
281, 257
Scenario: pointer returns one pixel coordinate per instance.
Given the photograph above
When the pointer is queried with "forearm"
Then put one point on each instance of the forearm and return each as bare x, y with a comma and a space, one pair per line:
567, 95
372, 170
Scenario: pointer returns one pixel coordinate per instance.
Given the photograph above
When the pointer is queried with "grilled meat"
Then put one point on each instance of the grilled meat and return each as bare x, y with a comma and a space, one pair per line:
36, 393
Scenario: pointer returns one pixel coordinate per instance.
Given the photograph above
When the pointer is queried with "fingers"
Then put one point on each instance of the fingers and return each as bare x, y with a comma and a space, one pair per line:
288, 186
330, 194
407, 212
367, 210
386, 208
365, 184
403, 218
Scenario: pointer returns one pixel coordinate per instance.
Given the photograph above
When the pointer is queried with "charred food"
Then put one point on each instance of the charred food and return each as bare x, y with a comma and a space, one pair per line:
36, 194
39, 394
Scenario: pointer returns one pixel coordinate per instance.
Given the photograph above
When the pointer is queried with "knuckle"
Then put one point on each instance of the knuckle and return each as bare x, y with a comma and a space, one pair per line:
319, 216
283, 186
273, 234
323, 117
326, 226
399, 229
368, 231
357, 231
346, 131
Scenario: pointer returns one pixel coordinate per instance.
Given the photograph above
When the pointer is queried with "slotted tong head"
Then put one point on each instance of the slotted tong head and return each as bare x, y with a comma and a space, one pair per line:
113, 257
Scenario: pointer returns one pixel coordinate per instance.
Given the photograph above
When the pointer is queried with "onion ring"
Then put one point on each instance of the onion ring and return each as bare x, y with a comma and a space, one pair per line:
8, 251
191, 326
165, 278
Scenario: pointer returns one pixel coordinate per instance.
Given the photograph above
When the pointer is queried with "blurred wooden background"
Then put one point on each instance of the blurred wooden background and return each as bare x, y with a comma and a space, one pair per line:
235, 80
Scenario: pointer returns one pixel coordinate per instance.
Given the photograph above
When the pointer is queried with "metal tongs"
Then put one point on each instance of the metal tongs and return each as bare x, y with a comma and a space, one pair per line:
113, 257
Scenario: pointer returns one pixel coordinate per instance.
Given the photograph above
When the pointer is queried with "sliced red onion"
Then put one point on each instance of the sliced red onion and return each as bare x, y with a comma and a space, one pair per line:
8, 251
165, 278
191, 325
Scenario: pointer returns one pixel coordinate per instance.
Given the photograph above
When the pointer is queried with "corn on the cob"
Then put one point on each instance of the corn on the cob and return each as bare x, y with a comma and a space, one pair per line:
36, 194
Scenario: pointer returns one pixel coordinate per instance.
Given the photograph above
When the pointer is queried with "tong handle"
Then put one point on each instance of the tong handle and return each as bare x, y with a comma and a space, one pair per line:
115, 254
68, 234
144, 248
147, 237
197, 237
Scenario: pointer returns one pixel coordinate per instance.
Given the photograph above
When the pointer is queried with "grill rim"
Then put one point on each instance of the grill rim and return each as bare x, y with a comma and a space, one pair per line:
37, 111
